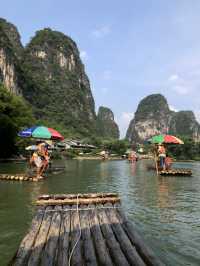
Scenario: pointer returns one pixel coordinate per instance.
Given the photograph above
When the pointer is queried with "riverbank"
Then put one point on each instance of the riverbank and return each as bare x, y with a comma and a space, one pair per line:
92, 157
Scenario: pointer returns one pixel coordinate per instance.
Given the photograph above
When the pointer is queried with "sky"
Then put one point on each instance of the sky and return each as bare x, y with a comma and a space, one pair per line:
130, 48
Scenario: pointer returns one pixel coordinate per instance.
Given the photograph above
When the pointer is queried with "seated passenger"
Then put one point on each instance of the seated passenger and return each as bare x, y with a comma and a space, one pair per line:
168, 162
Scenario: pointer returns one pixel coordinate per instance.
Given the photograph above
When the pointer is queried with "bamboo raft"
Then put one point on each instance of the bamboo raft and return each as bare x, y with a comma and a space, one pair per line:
82, 229
171, 172
176, 172
29, 176
16, 177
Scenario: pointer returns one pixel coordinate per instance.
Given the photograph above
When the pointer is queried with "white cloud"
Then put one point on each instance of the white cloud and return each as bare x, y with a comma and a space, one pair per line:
172, 108
83, 55
126, 117
183, 86
101, 32
174, 77
107, 74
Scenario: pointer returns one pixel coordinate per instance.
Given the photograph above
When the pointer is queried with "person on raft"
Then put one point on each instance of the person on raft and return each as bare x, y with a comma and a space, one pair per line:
168, 162
161, 156
132, 157
40, 158
104, 155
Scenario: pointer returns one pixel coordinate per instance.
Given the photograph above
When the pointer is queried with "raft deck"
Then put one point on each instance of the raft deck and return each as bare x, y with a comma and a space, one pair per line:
82, 229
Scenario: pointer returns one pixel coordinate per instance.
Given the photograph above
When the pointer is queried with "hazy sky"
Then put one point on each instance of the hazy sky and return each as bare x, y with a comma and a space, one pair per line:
130, 48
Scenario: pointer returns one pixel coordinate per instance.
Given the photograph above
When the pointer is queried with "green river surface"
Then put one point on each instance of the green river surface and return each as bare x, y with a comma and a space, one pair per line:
166, 210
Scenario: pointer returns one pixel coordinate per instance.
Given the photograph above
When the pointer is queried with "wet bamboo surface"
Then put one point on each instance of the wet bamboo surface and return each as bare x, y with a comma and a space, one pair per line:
92, 232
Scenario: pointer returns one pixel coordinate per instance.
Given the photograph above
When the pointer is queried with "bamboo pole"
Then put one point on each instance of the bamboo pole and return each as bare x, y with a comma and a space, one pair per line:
156, 163
41, 238
144, 251
67, 201
74, 196
111, 242
75, 249
102, 252
25, 247
87, 243
64, 238
127, 247
49, 253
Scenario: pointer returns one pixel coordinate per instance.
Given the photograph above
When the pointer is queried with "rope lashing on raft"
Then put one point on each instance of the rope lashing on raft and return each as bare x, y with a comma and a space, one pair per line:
79, 237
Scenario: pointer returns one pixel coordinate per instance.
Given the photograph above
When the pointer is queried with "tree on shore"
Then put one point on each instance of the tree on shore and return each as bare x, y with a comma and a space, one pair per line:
15, 113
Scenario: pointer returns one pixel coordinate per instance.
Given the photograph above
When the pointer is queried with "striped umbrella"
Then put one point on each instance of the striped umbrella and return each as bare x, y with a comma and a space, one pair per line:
41, 132
165, 139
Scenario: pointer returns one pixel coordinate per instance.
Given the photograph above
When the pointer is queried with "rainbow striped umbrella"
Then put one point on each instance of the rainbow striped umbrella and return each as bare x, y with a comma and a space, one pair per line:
41, 132
165, 139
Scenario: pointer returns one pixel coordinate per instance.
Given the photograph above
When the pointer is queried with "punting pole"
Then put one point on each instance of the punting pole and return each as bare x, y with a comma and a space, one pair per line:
155, 158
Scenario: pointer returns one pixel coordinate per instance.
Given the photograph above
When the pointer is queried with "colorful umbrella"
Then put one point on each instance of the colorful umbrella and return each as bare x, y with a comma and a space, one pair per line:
159, 139
40, 132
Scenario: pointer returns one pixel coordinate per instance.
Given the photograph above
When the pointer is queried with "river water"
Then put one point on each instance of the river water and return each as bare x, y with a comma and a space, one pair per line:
166, 210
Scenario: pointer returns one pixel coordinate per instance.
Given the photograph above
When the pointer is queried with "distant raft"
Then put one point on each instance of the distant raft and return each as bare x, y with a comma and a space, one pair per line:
176, 172
82, 229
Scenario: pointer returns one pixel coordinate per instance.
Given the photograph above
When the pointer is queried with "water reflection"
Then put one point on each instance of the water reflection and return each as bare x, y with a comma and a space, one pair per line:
103, 169
165, 209
133, 168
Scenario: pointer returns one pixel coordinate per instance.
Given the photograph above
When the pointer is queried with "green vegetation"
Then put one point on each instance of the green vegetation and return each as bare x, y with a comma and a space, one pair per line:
189, 151
152, 104
14, 114
184, 123
56, 84
106, 126
118, 147
12, 35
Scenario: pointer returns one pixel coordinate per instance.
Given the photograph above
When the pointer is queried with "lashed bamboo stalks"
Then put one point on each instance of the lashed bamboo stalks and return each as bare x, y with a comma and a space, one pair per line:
102, 252
86, 236
82, 234
143, 250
